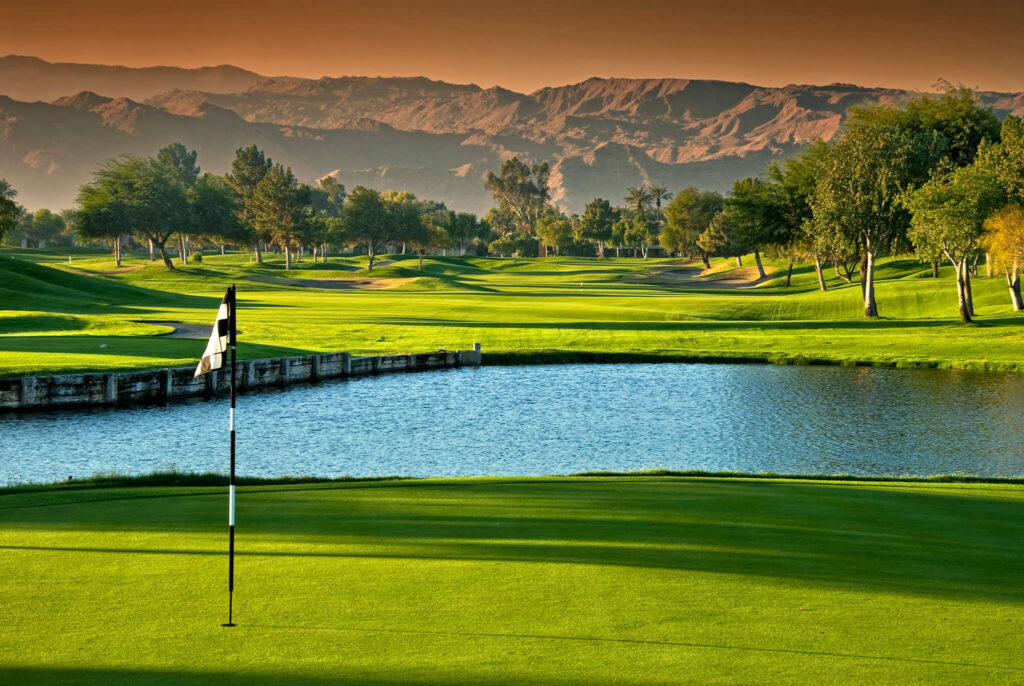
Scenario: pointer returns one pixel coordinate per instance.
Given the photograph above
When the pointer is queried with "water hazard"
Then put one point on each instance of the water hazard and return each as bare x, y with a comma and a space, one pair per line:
556, 420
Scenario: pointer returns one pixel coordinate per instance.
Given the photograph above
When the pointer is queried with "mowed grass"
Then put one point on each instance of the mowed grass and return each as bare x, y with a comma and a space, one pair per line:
636, 580
60, 317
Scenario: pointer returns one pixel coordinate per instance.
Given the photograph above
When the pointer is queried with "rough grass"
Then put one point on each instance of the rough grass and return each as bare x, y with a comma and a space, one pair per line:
61, 317
592, 580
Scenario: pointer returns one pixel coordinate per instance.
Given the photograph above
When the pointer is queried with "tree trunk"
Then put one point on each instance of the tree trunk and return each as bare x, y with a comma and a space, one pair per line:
223, 250
818, 270
863, 274
117, 251
935, 269
152, 251
617, 251
760, 267
974, 264
1013, 281
839, 274
370, 252
789, 274
182, 255
988, 266
705, 260
287, 258
600, 249
259, 254
739, 260
163, 253
421, 261
870, 306
961, 292
967, 288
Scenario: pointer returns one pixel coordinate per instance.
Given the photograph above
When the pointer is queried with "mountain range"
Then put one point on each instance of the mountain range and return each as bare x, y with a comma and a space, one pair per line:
58, 122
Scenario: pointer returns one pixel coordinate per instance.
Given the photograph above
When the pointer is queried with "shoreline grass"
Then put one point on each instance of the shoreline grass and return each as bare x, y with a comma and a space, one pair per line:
214, 479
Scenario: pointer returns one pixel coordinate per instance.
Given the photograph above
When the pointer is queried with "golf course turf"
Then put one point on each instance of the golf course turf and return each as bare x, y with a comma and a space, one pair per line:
88, 315
618, 580
624, 579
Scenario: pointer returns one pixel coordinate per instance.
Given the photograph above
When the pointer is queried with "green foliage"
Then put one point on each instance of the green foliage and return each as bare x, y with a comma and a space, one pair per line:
134, 196
521, 191
596, 223
554, 229
689, 215
640, 233
9, 209
279, 210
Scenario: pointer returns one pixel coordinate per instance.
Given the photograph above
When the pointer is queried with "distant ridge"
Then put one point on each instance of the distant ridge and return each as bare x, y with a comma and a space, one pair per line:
433, 138
30, 79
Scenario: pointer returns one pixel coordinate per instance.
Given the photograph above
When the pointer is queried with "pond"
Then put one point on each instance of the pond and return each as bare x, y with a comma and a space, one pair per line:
556, 420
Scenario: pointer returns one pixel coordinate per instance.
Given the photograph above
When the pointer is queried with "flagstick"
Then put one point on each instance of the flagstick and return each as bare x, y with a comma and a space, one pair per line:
231, 479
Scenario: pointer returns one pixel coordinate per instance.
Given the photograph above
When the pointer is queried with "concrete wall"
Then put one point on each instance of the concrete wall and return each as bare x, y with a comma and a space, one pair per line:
166, 385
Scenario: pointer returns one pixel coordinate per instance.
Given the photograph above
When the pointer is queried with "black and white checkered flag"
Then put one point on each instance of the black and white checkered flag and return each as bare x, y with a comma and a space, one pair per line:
220, 337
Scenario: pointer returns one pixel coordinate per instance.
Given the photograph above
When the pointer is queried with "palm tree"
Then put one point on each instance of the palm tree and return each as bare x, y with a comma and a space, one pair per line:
658, 194
639, 197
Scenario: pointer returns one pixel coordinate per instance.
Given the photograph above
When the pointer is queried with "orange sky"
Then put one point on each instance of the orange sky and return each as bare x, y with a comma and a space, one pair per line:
528, 44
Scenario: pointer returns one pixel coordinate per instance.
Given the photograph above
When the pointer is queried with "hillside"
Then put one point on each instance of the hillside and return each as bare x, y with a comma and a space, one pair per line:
434, 138
30, 78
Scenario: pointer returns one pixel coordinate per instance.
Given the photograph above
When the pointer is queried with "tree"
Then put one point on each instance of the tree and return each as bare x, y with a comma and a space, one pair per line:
618, 238
366, 220
554, 229
1004, 240
502, 247
136, 196
596, 223
46, 227
857, 204
278, 210
640, 233
638, 198
713, 239
215, 212
521, 191
247, 170
758, 222
672, 239
948, 214
659, 194
426, 236
1007, 158
9, 209
689, 215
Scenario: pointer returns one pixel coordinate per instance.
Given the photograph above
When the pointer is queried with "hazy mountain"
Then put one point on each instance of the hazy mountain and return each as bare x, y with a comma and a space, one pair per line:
433, 138
30, 78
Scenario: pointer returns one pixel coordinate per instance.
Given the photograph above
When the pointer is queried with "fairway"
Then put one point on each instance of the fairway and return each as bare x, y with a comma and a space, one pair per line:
634, 580
60, 317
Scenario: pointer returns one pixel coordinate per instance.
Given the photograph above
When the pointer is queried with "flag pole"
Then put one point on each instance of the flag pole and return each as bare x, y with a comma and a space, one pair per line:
231, 479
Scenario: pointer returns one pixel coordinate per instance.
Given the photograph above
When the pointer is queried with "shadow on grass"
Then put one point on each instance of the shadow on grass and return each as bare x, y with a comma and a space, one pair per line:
922, 540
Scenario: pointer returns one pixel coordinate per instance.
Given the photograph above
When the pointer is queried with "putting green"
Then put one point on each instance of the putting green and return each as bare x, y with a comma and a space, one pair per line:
84, 316
635, 580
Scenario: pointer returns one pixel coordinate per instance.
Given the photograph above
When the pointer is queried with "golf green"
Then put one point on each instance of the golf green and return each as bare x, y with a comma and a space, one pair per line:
630, 580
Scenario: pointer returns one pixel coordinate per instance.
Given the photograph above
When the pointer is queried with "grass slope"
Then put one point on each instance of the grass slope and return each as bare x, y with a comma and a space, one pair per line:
637, 580
63, 317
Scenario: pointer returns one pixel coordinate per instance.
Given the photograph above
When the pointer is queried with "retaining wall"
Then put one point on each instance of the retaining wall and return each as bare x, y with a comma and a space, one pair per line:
167, 385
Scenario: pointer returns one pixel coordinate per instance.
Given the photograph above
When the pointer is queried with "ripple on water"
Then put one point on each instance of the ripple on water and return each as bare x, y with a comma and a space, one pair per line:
556, 420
